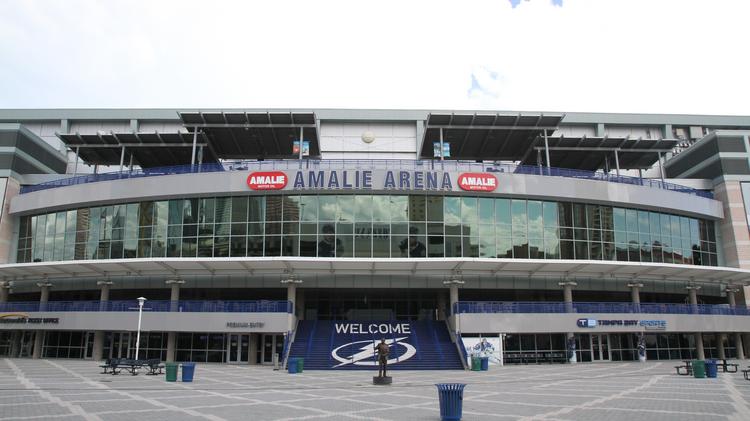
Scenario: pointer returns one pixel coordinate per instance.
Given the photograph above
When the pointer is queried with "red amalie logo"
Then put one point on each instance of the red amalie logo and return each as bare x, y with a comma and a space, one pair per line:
477, 181
267, 180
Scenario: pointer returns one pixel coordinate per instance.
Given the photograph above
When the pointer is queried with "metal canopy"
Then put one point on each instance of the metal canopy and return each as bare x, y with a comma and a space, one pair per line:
318, 267
254, 135
149, 150
593, 153
487, 136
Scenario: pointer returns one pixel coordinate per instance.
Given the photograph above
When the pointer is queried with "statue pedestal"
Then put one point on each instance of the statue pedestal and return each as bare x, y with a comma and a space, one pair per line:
386, 380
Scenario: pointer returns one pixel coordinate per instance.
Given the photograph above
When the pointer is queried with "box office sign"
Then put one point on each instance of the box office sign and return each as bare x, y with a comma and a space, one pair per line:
23, 318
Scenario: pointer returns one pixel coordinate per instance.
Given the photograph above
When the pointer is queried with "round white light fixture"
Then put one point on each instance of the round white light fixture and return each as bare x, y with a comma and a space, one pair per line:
368, 137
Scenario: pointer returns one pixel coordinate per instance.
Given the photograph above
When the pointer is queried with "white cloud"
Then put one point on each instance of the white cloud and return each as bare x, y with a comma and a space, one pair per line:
673, 56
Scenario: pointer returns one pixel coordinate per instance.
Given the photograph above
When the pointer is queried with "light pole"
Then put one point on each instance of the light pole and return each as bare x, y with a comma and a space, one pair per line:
141, 300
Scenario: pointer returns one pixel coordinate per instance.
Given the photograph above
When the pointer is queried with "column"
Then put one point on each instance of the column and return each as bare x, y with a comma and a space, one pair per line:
299, 305
99, 334
291, 296
732, 301
174, 299
4, 287
441, 305
568, 294
568, 299
693, 298
740, 348
720, 338
455, 321
253, 355
39, 335
635, 295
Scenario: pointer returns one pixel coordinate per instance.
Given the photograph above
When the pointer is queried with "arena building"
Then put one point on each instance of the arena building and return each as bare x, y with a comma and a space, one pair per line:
258, 235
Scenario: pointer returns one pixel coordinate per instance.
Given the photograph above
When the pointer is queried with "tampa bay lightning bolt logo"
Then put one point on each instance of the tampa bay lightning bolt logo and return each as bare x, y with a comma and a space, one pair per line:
366, 355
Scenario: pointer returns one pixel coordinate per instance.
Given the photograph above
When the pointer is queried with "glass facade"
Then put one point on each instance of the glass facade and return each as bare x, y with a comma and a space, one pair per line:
364, 226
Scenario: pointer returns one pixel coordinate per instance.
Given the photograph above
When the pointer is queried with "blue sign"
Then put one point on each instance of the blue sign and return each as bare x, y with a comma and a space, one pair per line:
586, 322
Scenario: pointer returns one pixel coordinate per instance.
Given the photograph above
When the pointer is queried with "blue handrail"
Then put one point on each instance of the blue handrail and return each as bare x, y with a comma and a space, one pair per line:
598, 308
374, 164
190, 306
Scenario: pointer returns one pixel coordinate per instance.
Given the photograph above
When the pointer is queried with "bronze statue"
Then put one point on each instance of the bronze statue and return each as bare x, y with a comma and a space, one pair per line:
382, 351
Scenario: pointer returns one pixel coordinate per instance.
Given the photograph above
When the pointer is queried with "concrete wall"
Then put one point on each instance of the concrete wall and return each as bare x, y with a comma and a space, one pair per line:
343, 140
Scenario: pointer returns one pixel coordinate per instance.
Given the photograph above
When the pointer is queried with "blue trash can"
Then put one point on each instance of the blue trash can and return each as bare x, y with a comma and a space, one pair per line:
451, 397
188, 371
485, 363
712, 369
291, 365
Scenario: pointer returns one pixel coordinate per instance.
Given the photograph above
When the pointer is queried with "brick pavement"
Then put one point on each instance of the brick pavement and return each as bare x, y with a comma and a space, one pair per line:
74, 390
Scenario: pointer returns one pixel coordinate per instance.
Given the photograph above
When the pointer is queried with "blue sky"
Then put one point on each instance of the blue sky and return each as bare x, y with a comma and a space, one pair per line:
662, 56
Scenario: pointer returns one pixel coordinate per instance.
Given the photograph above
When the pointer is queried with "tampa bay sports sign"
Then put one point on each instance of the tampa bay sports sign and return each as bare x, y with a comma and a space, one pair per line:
372, 180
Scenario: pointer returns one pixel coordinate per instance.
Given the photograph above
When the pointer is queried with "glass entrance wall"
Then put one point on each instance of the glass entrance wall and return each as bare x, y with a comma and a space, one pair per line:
367, 226
64, 344
201, 347
6, 343
371, 304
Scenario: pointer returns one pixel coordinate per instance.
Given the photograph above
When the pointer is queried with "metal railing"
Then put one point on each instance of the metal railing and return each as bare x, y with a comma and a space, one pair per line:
188, 306
601, 308
369, 164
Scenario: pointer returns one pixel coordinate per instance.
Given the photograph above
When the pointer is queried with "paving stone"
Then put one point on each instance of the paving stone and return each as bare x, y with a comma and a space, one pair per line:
612, 391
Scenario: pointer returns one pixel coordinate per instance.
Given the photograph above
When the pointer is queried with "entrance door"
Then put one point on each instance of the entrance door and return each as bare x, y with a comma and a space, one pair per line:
238, 347
121, 345
89, 345
27, 343
270, 344
600, 347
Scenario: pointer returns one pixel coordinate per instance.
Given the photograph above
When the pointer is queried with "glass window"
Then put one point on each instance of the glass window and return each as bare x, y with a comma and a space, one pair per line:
345, 208
550, 214
223, 210
327, 208
239, 209
486, 210
189, 211
434, 206
363, 204
291, 208
535, 219
417, 211
399, 208
619, 219
273, 208
502, 211
518, 208
381, 211
452, 209
565, 214
579, 215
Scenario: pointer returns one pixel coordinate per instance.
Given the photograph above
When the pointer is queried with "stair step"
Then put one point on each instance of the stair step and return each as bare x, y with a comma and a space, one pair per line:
426, 345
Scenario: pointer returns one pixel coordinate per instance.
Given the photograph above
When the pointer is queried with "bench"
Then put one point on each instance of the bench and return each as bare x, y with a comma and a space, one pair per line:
728, 367
688, 367
115, 365
110, 366
154, 367
746, 374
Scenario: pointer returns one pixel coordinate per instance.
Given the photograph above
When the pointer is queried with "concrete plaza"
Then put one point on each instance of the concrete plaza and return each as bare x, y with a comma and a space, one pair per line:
74, 390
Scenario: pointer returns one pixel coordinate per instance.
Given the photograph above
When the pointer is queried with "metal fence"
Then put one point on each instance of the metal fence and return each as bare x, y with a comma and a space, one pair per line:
188, 306
369, 164
600, 308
